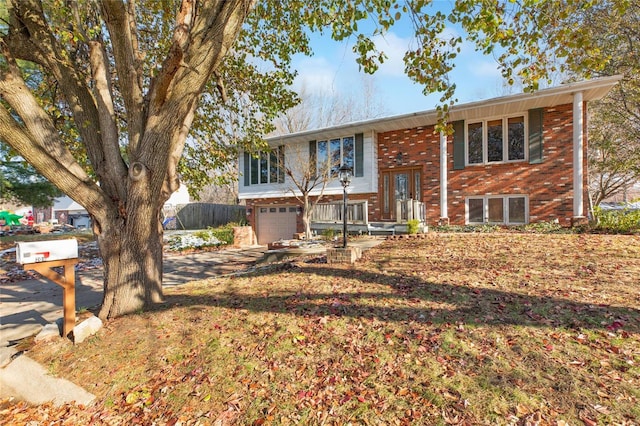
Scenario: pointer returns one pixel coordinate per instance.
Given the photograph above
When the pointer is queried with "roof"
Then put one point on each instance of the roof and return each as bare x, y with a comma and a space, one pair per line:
591, 90
66, 203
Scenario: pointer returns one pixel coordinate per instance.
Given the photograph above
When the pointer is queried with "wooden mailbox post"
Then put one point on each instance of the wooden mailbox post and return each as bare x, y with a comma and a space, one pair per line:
42, 256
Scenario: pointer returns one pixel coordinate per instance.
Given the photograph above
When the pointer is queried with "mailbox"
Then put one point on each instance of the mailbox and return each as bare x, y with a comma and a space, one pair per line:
45, 251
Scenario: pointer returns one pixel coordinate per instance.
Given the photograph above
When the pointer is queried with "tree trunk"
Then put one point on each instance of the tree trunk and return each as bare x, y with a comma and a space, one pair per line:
306, 218
132, 259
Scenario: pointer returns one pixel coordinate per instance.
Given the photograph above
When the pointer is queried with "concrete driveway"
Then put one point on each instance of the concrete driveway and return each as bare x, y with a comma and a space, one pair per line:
27, 306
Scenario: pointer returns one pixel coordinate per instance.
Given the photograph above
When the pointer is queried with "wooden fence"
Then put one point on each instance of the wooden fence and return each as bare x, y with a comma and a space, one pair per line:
202, 215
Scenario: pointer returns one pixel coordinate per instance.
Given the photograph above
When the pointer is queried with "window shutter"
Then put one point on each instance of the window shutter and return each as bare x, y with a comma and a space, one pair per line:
312, 157
458, 145
247, 165
535, 136
359, 172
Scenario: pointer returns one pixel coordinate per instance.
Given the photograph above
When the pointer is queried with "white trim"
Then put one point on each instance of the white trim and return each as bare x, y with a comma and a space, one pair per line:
593, 90
444, 185
578, 156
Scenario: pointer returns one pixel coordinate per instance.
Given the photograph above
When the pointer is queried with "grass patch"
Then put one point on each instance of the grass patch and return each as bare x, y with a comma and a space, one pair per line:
477, 328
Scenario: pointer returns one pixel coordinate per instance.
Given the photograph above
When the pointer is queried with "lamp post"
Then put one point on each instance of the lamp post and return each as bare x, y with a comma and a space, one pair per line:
344, 174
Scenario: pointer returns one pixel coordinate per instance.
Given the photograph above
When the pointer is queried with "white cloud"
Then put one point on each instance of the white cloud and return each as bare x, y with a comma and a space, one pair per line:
316, 75
394, 47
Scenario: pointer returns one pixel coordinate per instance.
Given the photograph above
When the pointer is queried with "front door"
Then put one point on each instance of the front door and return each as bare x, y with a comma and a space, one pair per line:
399, 185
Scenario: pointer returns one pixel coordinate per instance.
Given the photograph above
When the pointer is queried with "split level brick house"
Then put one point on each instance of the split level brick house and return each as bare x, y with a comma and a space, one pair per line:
511, 160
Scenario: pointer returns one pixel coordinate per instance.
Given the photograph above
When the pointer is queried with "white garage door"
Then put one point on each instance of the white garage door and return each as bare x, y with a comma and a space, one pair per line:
276, 223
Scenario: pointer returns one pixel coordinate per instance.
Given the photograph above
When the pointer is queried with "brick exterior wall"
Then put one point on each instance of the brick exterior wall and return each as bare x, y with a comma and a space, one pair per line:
548, 185
418, 148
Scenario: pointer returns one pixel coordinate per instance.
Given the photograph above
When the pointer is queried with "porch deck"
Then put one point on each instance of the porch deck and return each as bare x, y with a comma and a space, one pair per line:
330, 216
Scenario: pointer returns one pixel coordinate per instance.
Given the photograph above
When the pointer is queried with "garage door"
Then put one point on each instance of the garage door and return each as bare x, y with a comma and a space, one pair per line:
276, 223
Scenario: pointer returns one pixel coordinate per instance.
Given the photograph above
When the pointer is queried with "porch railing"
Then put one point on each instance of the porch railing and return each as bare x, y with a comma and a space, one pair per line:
332, 212
410, 209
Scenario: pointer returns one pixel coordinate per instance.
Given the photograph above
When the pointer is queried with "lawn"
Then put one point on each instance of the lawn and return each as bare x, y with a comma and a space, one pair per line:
501, 328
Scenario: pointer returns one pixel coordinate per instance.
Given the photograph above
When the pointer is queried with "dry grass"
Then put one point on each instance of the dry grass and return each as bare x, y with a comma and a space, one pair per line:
452, 329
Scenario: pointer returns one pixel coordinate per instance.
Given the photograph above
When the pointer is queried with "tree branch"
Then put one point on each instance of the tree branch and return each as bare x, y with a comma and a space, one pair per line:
32, 31
120, 22
76, 183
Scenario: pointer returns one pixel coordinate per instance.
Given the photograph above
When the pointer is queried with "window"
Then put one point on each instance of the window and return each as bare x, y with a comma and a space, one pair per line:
266, 167
498, 140
501, 209
332, 154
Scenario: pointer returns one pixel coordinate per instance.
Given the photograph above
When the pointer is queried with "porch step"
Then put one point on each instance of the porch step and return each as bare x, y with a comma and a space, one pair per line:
382, 228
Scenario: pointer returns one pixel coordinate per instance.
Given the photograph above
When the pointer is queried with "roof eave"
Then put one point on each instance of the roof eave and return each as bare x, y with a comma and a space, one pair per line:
591, 89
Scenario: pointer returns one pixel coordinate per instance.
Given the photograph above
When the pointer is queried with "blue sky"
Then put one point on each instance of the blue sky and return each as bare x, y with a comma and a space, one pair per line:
333, 68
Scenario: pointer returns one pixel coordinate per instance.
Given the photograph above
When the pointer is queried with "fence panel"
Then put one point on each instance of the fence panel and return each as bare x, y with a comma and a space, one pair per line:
202, 215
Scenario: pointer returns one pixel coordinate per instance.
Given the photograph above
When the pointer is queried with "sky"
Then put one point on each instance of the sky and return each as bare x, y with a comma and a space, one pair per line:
333, 67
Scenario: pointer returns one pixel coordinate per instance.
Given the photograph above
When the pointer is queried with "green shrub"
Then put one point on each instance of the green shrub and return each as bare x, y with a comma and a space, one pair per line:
617, 221
412, 226
329, 234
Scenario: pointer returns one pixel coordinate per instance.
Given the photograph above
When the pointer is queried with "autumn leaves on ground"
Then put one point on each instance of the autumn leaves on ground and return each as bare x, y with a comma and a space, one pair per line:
451, 329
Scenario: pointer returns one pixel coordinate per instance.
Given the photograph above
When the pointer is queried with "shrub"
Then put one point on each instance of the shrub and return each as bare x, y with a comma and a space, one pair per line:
468, 228
412, 226
191, 241
329, 234
617, 221
210, 237
546, 228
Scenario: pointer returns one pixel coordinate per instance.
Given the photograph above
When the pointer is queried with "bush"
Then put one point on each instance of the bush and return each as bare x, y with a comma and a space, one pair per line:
210, 237
329, 234
412, 226
617, 221
192, 241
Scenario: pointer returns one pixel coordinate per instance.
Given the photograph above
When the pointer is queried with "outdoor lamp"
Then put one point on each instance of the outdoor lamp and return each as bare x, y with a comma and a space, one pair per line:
344, 174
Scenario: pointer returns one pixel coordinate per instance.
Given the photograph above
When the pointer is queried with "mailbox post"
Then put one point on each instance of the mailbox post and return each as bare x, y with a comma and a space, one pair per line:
42, 256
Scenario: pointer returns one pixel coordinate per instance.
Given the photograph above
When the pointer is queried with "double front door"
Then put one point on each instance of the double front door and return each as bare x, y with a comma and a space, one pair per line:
399, 185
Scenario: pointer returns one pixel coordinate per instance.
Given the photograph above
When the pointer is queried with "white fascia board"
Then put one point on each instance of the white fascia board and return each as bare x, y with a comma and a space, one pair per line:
592, 90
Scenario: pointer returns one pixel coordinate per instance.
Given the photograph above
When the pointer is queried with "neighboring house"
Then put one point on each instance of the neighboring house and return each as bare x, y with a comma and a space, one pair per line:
511, 160
65, 211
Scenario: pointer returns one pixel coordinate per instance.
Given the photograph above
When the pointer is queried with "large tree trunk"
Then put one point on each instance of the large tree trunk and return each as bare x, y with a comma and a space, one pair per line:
131, 249
125, 194
132, 259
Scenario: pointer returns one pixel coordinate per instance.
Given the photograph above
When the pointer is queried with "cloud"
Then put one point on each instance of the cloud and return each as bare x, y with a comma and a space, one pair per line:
394, 47
316, 74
